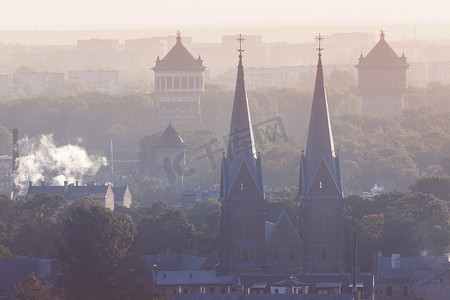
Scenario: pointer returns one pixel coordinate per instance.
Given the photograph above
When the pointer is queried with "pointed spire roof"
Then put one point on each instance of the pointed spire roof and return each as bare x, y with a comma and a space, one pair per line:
241, 145
382, 55
178, 59
170, 137
320, 145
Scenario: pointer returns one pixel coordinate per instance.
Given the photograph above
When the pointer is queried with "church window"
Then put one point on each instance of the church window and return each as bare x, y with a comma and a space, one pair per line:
323, 185
389, 291
197, 82
323, 255
163, 83
243, 186
158, 83
318, 225
169, 82
291, 255
177, 83
245, 256
191, 82
276, 255
184, 83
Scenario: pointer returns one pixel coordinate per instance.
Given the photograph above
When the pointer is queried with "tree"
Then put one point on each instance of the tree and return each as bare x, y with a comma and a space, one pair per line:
39, 225
32, 289
163, 227
97, 255
205, 216
437, 186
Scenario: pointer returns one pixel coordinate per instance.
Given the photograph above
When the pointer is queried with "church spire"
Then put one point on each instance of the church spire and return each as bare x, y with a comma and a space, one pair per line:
241, 145
320, 145
241, 142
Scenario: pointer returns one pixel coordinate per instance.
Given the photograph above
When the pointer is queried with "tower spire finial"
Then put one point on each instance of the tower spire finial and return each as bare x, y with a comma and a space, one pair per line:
320, 39
382, 31
240, 39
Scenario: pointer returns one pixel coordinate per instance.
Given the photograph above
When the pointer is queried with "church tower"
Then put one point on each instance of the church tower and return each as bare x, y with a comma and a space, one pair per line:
241, 190
320, 189
382, 80
179, 85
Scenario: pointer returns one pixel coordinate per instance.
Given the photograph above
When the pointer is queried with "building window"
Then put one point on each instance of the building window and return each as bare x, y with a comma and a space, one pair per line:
405, 291
323, 185
169, 82
245, 256
163, 291
223, 290
183, 82
191, 83
276, 291
158, 83
323, 255
389, 291
243, 186
211, 290
291, 255
176, 83
276, 256
186, 290
197, 85
163, 83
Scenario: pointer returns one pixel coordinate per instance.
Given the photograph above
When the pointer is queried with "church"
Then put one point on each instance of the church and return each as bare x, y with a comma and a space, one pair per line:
251, 244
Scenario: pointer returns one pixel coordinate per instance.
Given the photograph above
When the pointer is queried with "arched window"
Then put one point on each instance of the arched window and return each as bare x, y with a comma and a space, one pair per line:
323, 255
276, 255
292, 255
245, 256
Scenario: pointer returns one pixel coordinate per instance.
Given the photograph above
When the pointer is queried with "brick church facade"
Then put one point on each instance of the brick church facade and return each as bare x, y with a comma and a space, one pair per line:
248, 242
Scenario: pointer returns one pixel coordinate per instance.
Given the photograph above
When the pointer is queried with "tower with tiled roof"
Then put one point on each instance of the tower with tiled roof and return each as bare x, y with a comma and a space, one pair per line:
170, 158
382, 79
320, 188
241, 190
179, 84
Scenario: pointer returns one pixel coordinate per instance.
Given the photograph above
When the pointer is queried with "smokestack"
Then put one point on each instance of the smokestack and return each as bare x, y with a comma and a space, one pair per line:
15, 164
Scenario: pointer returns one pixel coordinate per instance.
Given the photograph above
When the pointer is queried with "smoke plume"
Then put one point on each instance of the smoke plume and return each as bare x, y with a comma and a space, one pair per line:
42, 160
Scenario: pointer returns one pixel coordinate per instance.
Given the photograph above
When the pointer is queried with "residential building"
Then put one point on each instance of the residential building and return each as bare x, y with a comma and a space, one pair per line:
33, 84
102, 81
419, 277
102, 193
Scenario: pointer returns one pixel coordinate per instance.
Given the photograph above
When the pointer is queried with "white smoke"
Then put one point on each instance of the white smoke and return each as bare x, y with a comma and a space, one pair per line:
42, 160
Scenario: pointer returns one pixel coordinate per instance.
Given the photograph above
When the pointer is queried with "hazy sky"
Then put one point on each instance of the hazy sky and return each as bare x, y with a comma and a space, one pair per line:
134, 14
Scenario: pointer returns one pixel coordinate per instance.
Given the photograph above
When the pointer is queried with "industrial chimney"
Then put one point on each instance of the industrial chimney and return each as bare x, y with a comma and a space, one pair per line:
15, 164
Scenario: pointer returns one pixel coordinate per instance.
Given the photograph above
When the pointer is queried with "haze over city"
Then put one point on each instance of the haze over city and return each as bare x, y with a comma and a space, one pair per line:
228, 150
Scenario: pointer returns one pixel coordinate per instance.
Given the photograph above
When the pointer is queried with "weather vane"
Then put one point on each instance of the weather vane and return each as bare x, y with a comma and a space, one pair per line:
240, 39
319, 38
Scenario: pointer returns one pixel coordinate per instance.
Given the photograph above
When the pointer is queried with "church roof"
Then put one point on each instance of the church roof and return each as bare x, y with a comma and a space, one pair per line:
320, 145
382, 55
179, 59
241, 144
170, 137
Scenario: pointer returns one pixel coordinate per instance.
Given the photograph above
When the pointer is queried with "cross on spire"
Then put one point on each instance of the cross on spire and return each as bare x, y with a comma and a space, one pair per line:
319, 38
240, 39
